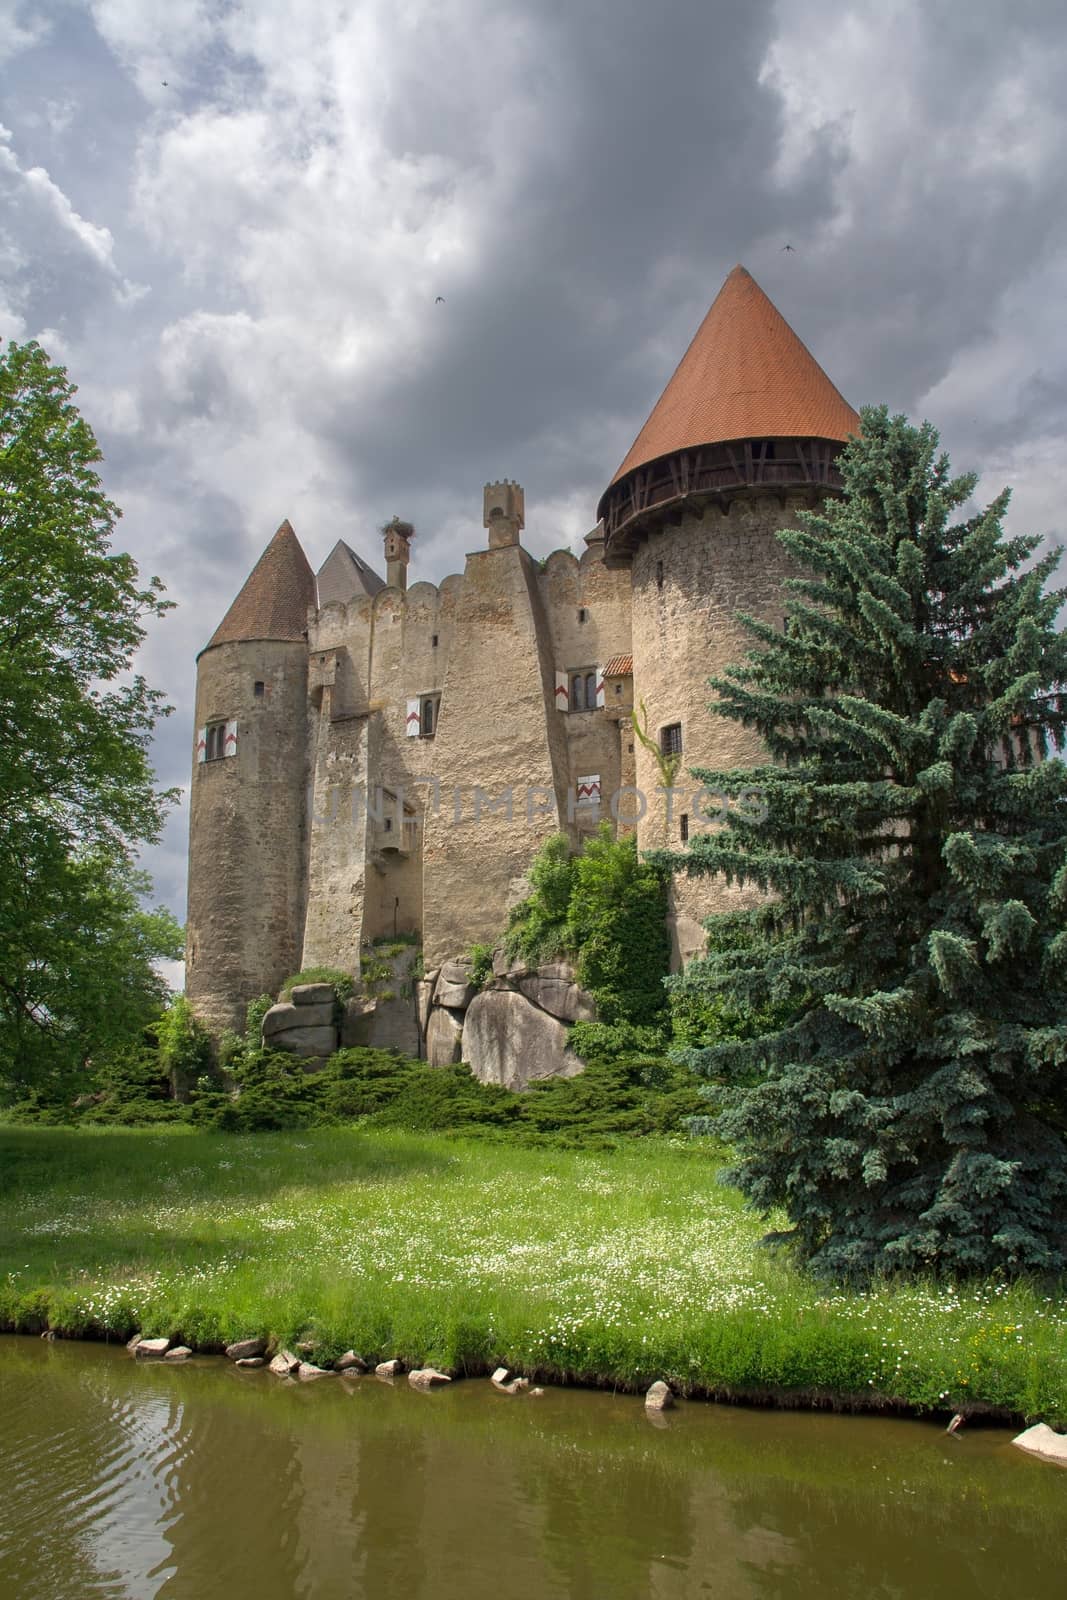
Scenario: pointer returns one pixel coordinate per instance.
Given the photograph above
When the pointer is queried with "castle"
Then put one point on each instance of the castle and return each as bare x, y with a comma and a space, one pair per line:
374, 758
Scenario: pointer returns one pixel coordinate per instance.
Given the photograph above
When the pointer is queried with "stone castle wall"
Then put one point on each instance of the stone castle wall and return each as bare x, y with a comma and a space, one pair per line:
247, 830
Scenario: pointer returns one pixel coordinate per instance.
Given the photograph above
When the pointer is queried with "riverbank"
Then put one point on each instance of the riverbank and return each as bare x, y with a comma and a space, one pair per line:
612, 1268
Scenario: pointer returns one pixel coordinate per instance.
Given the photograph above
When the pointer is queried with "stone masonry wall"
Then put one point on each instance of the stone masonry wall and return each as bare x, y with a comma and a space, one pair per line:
689, 582
247, 830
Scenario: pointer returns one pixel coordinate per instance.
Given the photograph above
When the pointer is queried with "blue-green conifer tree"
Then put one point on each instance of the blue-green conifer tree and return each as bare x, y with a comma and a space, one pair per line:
909, 1109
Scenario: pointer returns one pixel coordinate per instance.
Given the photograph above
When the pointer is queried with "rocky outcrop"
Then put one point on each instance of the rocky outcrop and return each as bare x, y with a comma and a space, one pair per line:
443, 1035
306, 1024
553, 989
454, 987
512, 1032
508, 1040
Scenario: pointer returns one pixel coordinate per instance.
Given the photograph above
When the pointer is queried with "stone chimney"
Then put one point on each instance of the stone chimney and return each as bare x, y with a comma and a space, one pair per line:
398, 536
504, 513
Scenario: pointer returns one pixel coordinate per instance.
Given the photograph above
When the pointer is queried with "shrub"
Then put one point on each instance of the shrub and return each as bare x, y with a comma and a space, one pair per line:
343, 982
481, 959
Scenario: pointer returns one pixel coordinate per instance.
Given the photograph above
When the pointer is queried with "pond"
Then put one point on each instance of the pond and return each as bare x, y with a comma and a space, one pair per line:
138, 1479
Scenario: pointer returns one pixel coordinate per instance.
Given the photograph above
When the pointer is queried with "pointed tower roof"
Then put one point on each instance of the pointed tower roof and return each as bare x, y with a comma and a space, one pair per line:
274, 600
746, 375
344, 575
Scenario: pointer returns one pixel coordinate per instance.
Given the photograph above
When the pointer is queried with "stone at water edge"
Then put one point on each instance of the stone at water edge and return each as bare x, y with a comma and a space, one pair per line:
350, 1362
251, 1361
131, 1344
307, 1369
659, 1397
514, 1386
1043, 1441
283, 1364
245, 1347
181, 1352
500, 1376
427, 1378
152, 1347
388, 1369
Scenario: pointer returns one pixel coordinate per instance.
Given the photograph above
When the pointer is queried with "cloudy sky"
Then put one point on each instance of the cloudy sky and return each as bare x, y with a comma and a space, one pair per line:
231, 219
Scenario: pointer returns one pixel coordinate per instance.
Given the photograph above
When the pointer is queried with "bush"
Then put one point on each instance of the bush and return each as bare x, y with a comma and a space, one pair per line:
481, 959
184, 1047
343, 982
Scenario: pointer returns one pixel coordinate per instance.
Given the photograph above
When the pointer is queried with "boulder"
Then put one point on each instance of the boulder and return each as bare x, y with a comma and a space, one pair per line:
357, 1021
251, 1361
424, 988
284, 1018
312, 994
454, 986
350, 1362
388, 1369
443, 1038
284, 1364
152, 1348
308, 1369
427, 1378
507, 1040
131, 1344
505, 968
560, 997
307, 1041
180, 1352
241, 1349
1041, 1440
500, 1376
659, 1397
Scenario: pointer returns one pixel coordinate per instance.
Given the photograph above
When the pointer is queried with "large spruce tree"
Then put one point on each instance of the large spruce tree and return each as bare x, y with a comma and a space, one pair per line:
910, 1110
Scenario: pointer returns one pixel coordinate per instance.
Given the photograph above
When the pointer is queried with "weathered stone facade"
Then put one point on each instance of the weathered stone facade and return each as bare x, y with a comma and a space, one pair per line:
400, 753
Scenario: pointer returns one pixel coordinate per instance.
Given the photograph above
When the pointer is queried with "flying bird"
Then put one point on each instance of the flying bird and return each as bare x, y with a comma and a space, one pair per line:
440, 300
788, 247
165, 84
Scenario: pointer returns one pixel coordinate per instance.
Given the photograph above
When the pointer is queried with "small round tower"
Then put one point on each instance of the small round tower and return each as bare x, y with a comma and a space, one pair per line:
248, 808
745, 434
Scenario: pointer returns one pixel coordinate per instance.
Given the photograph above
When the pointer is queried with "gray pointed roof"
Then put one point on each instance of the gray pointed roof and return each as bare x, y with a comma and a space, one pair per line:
344, 575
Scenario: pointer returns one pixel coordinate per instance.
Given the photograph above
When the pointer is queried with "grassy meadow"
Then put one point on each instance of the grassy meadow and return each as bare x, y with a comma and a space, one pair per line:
614, 1267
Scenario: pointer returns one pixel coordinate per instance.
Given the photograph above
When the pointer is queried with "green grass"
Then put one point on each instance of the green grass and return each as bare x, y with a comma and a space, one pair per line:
612, 1267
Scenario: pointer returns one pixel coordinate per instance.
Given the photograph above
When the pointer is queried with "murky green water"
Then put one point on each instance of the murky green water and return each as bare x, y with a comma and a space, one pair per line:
134, 1479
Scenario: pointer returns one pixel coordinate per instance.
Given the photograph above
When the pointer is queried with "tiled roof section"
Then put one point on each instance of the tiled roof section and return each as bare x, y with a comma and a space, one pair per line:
620, 667
746, 375
344, 575
277, 592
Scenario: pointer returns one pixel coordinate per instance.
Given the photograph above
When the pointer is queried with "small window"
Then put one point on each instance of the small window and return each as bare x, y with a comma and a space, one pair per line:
618, 688
216, 741
670, 739
583, 689
387, 824
582, 614
433, 641
429, 706
659, 574
258, 689
683, 827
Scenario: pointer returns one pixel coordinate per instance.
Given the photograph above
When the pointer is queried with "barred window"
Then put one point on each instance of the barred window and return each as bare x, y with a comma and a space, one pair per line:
670, 739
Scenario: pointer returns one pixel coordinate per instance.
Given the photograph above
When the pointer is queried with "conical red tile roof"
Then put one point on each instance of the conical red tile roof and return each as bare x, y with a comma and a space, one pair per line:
746, 375
276, 594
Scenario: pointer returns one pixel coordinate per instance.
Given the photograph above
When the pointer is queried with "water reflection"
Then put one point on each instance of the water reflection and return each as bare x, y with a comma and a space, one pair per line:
133, 1480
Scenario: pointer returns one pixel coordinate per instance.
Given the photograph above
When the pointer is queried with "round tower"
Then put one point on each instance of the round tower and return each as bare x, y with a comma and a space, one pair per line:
745, 434
248, 807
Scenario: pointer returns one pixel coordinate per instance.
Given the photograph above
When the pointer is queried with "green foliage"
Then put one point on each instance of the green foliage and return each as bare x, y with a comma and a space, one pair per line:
481, 959
537, 926
902, 1093
666, 765
184, 1047
605, 909
76, 788
343, 982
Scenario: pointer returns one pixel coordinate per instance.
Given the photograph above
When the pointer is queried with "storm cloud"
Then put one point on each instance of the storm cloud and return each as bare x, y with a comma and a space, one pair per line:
233, 222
